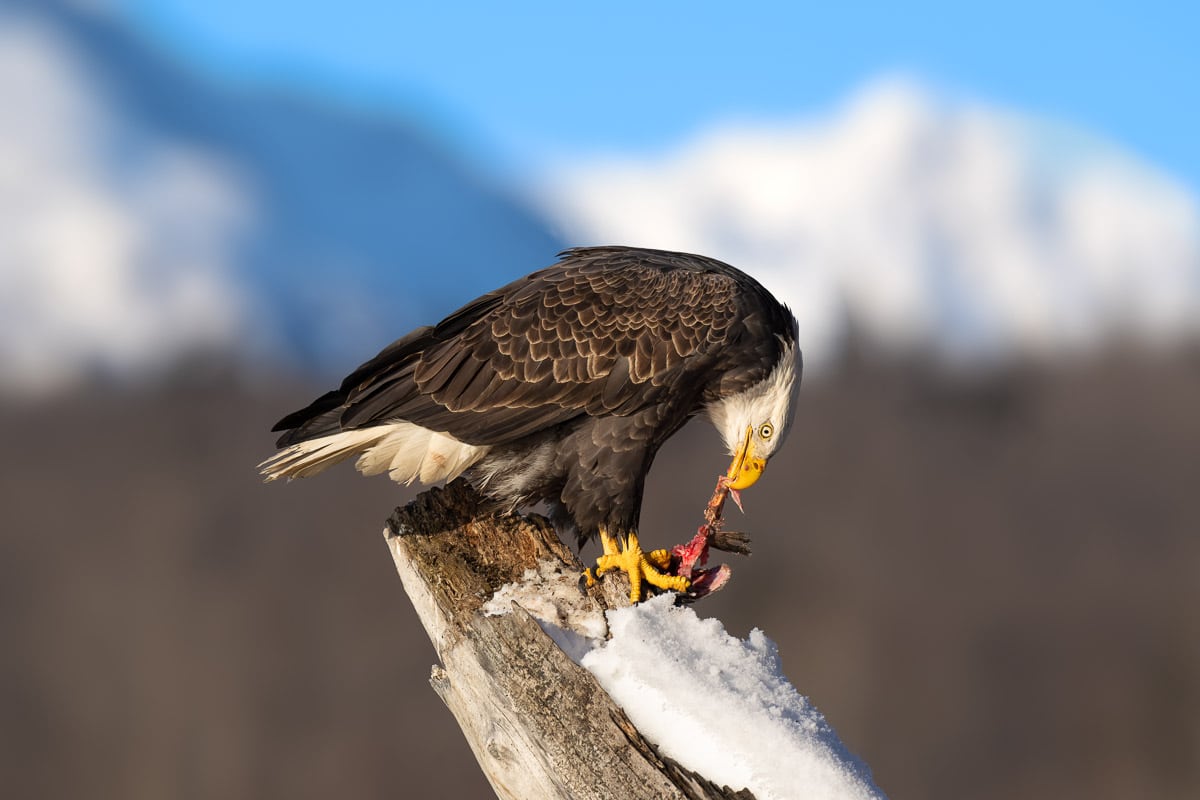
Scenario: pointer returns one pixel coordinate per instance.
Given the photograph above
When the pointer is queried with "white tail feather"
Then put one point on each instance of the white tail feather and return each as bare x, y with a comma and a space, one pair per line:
404, 450
379, 458
446, 458
316, 455
405, 465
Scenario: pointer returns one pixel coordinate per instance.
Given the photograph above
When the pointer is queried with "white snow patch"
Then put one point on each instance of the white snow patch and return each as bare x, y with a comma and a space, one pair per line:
721, 706
551, 596
931, 223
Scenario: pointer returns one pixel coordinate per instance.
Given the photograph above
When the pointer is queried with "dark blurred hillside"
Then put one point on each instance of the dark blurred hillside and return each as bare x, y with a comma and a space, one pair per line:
989, 586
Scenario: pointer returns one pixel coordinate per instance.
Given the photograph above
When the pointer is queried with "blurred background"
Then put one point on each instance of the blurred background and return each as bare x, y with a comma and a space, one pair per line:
979, 553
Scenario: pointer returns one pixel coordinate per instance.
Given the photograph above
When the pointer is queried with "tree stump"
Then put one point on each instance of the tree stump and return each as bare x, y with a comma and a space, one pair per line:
538, 723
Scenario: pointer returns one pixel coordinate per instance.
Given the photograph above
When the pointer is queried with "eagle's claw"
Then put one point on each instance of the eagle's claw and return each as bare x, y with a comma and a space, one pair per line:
641, 567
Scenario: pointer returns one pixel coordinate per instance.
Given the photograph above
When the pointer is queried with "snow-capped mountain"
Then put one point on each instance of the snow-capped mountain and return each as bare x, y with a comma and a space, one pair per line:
149, 212
923, 221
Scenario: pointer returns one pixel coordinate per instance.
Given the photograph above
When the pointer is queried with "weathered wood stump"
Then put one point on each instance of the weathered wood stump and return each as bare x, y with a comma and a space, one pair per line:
539, 724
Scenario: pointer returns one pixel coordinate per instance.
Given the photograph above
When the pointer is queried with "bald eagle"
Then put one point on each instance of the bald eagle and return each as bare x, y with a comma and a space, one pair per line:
561, 387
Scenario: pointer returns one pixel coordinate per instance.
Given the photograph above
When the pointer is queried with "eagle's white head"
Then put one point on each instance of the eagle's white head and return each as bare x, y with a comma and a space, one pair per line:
754, 423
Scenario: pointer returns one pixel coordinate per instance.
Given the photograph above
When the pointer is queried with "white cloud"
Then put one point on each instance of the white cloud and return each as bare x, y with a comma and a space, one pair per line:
115, 246
927, 222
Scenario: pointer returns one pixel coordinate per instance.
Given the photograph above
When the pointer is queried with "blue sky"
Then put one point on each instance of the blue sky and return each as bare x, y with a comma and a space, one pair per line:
524, 85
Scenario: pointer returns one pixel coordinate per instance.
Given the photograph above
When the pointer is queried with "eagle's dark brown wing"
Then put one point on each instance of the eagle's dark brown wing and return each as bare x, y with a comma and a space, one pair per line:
604, 331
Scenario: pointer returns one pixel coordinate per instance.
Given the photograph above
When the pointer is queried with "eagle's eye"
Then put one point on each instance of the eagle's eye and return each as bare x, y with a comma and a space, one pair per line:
766, 431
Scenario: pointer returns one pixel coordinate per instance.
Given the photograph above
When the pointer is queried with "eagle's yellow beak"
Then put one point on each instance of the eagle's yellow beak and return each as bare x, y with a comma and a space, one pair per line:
746, 467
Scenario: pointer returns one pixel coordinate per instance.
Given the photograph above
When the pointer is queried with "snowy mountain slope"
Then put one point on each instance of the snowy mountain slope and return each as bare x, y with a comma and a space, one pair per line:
924, 222
150, 212
153, 212
108, 259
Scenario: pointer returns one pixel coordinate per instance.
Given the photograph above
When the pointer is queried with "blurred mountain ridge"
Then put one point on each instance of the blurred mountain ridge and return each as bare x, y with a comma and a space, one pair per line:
926, 221
158, 214
221, 217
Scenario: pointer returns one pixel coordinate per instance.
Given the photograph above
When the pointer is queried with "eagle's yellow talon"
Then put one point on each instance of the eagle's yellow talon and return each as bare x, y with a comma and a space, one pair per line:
639, 566
660, 558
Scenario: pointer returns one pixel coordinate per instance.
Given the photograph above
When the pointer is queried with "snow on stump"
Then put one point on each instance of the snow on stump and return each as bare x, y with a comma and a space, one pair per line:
544, 680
